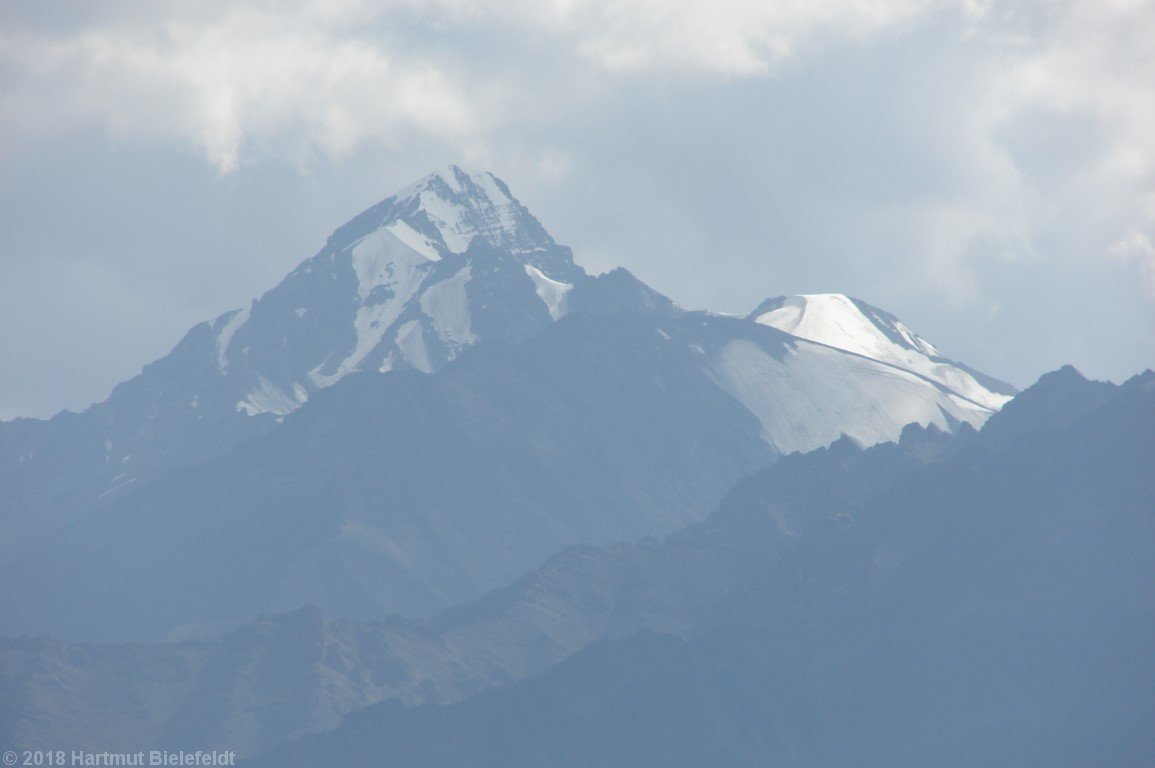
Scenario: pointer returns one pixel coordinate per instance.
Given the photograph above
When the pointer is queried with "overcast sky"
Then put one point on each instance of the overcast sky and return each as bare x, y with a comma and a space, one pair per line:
984, 170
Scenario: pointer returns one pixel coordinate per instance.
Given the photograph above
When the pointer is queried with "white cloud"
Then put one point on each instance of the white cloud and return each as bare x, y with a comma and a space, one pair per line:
1095, 61
727, 37
1135, 248
309, 77
1053, 118
297, 83
730, 37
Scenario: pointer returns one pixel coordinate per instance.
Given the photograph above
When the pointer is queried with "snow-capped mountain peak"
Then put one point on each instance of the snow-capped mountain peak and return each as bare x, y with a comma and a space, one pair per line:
852, 325
463, 204
444, 212
841, 321
450, 260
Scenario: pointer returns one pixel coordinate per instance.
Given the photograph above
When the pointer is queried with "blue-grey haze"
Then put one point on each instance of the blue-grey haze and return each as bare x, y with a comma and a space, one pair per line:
842, 606
919, 618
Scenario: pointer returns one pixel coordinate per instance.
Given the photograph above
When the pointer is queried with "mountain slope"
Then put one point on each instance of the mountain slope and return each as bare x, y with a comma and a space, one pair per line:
993, 608
201, 693
855, 326
448, 262
71, 694
396, 287
405, 492
410, 493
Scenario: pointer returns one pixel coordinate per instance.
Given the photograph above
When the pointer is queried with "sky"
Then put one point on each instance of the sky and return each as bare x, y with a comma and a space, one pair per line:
984, 170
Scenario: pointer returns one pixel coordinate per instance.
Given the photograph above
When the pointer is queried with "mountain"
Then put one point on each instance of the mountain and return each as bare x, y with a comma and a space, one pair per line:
210, 693
992, 607
409, 493
450, 261
855, 326
201, 694
430, 406
403, 493
221, 693
397, 287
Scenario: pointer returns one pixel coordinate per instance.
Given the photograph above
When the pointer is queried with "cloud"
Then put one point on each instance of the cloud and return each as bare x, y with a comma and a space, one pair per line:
1052, 115
1136, 248
308, 79
293, 84
312, 77
1077, 81
1024, 109
729, 37
1096, 58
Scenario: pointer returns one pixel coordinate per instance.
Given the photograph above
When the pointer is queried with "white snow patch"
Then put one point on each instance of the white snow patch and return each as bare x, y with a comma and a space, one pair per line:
970, 406
414, 239
237, 318
833, 319
490, 215
553, 293
412, 345
448, 174
447, 304
267, 397
379, 259
496, 196
447, 218
816, 394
